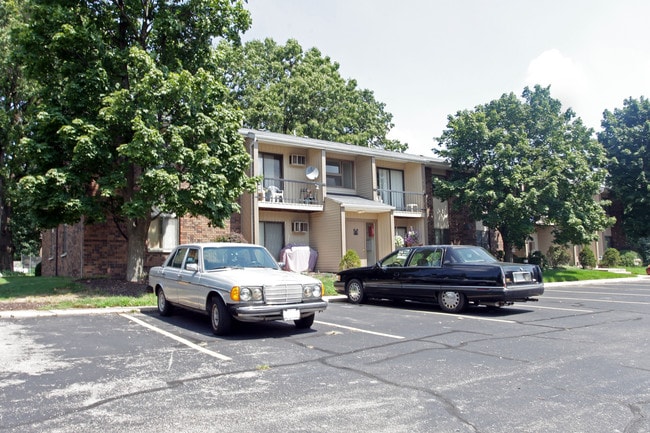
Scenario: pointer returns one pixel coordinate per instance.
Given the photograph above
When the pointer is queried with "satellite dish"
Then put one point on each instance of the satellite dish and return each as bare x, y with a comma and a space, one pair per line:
311, 172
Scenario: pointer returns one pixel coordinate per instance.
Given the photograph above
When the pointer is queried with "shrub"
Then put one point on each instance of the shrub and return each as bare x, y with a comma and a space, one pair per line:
537, 258
231, 237
587, 258
557, 256
630, 259
611, 258
350, 260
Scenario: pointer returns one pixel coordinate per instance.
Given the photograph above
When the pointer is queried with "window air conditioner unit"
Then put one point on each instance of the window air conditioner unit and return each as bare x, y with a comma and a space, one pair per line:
298, 160
300, 226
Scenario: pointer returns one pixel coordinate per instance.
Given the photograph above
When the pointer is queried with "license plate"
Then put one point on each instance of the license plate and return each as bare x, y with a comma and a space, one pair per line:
520, 277
292, 314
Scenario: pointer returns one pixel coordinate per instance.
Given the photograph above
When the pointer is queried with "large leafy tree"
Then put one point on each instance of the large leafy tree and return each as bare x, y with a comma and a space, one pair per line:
517, 162
289, 90
626, 138
131, 115
16, 230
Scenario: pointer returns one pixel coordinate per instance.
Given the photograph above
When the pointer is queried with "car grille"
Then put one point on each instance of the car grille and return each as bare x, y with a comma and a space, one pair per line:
283, 294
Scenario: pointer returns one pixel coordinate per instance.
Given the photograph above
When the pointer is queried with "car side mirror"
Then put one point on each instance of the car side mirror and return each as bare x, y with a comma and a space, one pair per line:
281, 264
192, 267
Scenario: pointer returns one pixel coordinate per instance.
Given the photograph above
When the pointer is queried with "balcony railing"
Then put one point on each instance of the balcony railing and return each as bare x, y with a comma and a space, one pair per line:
274, 190
403, 201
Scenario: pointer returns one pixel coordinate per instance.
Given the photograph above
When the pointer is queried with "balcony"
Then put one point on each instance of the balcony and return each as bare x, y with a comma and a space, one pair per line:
407, 204
289, 194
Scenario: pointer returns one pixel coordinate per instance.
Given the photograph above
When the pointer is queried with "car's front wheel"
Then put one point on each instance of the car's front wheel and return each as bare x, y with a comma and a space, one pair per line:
220, 318
305, 322
164, 307
452, 301
355, 291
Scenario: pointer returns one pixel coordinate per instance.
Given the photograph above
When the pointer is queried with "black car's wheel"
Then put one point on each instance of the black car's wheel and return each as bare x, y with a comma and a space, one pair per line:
305, 322
355, 291
220, 318
164, 307
452, 301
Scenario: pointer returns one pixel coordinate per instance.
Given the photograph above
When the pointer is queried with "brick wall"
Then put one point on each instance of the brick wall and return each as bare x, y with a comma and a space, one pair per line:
100, 250
104, 251
197, 229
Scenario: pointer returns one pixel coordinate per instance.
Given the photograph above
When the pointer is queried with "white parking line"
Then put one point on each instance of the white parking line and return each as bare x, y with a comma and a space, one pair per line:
461, 316
609, 301
640, 295
577, 310
177, 338
397, 337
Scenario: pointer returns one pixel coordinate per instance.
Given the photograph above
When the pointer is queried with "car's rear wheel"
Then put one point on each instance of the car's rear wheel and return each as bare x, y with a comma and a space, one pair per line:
355, 291
452, 301
305, 322
164, 307
220, 318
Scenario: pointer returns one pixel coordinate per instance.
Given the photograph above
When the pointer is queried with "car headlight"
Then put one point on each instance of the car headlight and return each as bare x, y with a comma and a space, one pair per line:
258, 294
312, 291
247, 294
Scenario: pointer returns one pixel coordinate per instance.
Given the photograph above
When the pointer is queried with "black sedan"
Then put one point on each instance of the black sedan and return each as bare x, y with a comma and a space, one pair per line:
450, 275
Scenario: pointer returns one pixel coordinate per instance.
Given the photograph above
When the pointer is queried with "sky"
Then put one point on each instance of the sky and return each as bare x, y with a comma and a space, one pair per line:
428, 59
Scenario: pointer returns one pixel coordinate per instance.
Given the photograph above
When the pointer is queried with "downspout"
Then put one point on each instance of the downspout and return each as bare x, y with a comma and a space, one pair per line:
83, 247
250, 137
56, 252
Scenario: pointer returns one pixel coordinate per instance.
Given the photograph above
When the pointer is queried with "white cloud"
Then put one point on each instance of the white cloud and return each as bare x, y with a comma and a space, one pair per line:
567, 78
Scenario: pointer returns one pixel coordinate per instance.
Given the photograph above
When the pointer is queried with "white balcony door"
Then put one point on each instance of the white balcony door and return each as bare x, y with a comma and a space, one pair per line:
391, 184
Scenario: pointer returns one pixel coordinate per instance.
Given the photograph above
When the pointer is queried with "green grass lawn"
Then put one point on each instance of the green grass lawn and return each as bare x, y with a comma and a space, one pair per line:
21, 287
63, 292
578, 274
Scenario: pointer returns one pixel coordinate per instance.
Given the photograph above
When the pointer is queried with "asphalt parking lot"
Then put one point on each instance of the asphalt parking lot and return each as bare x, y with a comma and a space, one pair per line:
577, 361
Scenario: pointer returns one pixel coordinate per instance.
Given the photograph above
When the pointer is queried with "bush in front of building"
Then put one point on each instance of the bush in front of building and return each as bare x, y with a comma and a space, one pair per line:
557, 256
350, 260
538, 258
611, 258
587, 258
630, 259
231, 237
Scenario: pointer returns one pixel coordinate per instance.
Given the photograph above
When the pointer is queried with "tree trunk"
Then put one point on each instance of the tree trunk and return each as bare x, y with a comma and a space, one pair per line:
136, 230
6, 239
507, 249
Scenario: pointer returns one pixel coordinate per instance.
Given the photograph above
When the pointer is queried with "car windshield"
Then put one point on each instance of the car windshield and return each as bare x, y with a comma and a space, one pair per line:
237, 257
471, 255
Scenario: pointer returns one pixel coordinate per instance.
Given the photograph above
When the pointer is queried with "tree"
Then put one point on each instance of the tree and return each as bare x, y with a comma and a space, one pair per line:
517, 163
287, 90
16, 229
131, 117
626, 138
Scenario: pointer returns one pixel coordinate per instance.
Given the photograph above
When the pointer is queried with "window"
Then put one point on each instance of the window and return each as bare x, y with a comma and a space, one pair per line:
163, 232
391, 187
441, 236
339, 173
271, 169
177, 262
